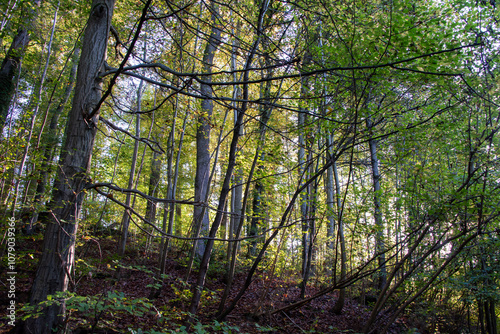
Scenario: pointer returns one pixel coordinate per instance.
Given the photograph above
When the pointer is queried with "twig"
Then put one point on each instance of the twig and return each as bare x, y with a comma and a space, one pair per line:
293, 322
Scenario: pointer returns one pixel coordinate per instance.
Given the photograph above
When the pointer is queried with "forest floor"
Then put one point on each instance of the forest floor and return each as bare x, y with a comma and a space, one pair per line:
120, 305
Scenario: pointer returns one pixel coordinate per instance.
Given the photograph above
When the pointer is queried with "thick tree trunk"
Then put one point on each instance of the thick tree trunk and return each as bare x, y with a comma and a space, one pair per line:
57, 259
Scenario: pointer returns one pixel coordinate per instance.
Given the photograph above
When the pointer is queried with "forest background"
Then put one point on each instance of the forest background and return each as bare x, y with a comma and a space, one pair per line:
344, 149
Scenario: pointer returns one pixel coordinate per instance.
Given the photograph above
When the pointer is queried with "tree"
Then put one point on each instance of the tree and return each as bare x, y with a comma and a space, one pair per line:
132, 174
50, 142
11, 62
57, 259
202, 186
377, 213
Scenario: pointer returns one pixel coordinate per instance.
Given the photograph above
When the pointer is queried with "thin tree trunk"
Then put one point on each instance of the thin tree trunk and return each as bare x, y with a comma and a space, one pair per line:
126, 212
205, 261
165, 241
339, 304
480, 317
377, 214
258, 206
169, 215
493, 317
154, 173
304, 171
36, 107
303, 197
154, 181
57, 259
237, 192
50, 143
258, 259
200, 214
265, 115
257, 210
11, 63
310, 223
330, 195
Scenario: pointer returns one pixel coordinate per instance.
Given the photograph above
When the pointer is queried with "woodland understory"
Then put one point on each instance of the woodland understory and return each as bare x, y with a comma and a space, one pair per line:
125, 306
249, 166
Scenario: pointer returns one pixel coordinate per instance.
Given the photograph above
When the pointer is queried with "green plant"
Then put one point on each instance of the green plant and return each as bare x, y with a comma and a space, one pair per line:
92, 307
214, 327
265, 328
412, 331
140, 331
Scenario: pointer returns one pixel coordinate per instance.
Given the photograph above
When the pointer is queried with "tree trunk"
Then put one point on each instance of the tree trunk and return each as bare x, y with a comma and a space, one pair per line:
201, 186
493, 317
258, 204
154, 181
35, 107
305, 171
50, 143
57, 258
330, 195
126, 212
205, 261
257, 211
379, 224
339, 304
481, 316
236, 207
237, 192
265, 115
10, 64
303, 196
172, 177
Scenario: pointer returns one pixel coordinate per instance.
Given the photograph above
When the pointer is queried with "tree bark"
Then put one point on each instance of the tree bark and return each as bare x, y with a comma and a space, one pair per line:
379, 224
154, 180
201, 186
126, 212
339, 304
50, 143
330, 194
258, 205
305, 170
55, 266
205, 261
11, 63
237, 192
